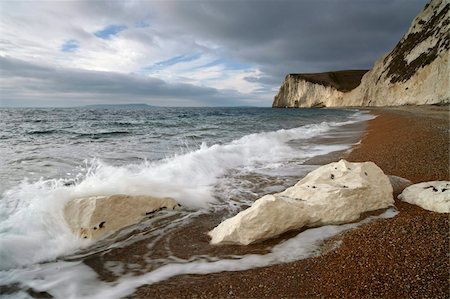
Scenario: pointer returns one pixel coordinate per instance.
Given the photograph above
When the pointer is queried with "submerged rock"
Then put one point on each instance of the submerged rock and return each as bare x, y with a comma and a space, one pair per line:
332, 194
433, 196
94, 217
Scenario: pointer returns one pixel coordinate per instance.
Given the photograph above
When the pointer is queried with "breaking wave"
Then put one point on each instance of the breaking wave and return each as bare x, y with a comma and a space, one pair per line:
32, 225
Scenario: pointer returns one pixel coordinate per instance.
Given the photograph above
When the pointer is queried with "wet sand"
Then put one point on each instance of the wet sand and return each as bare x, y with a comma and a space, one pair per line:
402, 257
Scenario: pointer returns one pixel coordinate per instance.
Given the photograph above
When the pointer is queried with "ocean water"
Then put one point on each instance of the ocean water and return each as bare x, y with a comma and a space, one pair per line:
214, 161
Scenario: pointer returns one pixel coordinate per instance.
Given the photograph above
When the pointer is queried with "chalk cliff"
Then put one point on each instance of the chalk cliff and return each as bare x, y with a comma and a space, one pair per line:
316, 90
415, 72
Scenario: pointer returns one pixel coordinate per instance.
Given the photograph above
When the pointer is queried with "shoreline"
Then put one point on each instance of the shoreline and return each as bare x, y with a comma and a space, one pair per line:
405, 256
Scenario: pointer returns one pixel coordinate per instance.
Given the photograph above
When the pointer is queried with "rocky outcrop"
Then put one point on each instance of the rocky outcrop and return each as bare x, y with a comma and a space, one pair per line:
432, 196
316, 90
332, 194
415, 72
95, 217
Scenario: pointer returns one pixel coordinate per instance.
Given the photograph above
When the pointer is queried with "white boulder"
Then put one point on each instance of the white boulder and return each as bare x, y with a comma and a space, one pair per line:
94, 217
332, 194
432, 196
269, 216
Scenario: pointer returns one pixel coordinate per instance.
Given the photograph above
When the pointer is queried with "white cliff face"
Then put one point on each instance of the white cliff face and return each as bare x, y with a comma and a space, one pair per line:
432, 196
415, 72
296, 92
332, 194
95, 217
430, 85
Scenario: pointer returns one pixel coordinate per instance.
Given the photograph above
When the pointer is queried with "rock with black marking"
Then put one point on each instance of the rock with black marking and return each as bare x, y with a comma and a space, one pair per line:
98, 216
332, 194
432, 196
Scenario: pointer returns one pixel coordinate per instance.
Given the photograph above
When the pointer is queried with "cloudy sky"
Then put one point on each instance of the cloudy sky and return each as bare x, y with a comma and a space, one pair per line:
185, 53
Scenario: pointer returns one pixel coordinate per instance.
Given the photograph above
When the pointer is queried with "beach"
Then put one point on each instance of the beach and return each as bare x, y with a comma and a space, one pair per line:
215, 162
402, 257
143, 154
168, 254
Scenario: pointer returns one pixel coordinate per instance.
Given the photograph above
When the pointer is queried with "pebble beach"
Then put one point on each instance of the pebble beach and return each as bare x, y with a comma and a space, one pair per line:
402, 257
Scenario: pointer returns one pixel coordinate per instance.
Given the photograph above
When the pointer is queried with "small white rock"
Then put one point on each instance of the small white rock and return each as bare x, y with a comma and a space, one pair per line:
432, 196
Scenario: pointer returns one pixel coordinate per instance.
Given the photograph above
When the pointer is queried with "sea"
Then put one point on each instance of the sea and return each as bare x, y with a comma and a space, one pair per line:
214, 161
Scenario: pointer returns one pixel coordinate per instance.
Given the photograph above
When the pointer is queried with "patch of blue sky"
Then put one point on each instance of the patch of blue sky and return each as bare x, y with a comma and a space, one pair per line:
144, 23
171, 61
228, 64
110, 31
225, 63
236, 65
70, 45
178, 59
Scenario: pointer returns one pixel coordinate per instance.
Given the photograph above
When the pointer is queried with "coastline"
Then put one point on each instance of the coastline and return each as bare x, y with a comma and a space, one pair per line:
405, 256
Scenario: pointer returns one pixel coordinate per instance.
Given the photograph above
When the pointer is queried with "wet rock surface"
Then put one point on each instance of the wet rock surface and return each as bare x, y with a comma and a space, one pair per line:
332, 194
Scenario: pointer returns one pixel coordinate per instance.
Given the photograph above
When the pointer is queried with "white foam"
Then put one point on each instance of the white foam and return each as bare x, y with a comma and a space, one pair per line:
32, 225
76, 280
189, 178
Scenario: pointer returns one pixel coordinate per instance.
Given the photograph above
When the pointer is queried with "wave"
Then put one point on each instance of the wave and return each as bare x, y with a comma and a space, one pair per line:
42, 132
102, 134
32, 225
123, 123
94, 135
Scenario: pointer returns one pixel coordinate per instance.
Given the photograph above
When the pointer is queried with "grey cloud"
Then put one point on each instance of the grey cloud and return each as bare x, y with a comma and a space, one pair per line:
49, 85
297, 36
277, 37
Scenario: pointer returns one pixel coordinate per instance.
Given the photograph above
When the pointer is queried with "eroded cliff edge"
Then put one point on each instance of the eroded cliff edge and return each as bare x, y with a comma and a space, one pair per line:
415, 72
316, 90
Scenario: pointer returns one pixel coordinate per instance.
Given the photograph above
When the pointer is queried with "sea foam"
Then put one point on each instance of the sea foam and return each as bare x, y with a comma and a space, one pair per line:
76, 280
32, 225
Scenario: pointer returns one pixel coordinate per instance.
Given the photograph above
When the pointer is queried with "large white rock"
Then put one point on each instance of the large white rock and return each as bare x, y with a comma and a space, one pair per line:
332, 194
432, 196
94, 217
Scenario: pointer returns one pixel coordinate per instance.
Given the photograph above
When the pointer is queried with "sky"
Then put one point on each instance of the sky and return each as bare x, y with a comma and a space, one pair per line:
185, 53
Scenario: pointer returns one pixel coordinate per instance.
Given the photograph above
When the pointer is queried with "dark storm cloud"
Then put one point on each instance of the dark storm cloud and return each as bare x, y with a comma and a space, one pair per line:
269, 39
298, 36
49, 86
